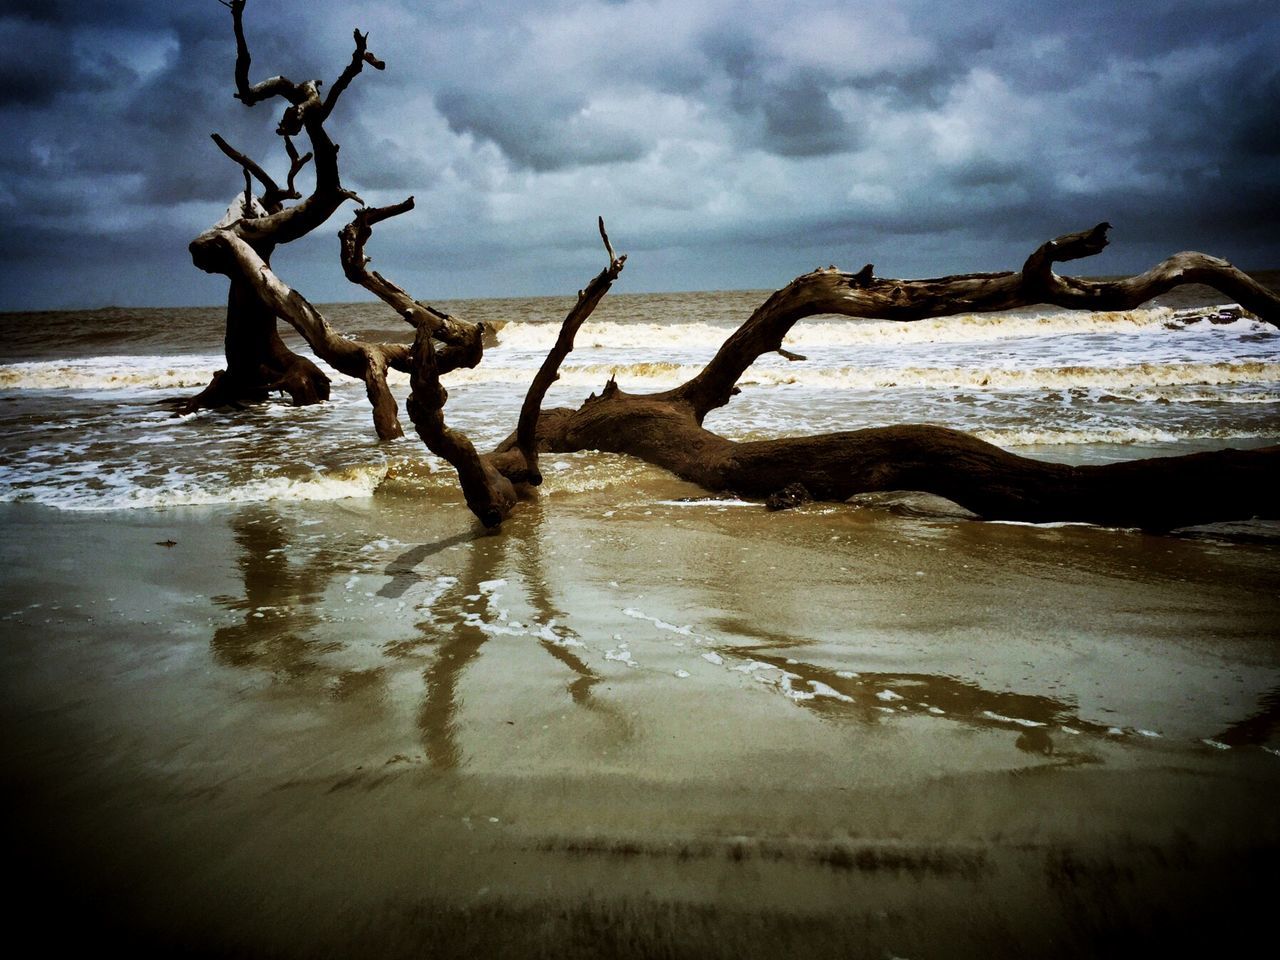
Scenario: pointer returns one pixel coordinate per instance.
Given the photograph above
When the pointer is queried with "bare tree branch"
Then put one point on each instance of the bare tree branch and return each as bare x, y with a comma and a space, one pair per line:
271, 87
306, 111
296, 163
268, 185
548, 373
355, 358
359, 58
863, 295
463, 340
488, 493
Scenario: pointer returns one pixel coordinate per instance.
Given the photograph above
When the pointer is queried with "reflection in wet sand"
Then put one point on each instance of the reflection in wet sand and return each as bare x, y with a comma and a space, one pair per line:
346, 774
285, 631
531, 568
454, 618
402, 570
281, 594
869, 697
464, 617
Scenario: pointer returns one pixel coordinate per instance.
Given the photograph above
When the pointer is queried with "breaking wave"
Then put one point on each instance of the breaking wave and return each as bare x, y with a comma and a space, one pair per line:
156, 373
110, 373
827, 331
660, 375
1120, 436
117, 490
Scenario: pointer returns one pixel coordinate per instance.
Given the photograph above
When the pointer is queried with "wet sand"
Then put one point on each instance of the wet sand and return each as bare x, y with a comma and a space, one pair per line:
631, 726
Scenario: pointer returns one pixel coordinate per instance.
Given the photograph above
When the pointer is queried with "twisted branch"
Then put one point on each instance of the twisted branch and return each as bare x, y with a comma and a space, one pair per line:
865, 295
548, 373
463, 341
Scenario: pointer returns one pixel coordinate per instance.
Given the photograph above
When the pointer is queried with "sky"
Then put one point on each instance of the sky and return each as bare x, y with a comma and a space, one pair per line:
729, 144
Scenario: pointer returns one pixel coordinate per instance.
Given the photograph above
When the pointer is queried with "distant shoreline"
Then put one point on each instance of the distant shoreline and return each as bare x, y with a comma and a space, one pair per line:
1269, 276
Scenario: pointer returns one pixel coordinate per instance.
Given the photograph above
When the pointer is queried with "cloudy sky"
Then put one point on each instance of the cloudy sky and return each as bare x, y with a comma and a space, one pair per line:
728, 143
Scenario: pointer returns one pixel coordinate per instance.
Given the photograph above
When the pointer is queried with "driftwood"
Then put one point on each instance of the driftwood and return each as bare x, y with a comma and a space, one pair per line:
666, 428
240, 247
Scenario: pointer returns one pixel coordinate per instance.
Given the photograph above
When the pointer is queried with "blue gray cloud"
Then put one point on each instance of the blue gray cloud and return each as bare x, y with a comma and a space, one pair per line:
729, 143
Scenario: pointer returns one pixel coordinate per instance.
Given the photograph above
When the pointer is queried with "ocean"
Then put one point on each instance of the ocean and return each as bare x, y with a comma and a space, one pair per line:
82, 426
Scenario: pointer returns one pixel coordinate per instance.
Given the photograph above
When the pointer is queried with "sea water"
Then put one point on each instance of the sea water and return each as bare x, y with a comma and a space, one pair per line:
84, 426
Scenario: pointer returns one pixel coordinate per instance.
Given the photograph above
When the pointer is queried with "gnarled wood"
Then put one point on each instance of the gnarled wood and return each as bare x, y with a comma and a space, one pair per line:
273, 195
865, 295
527, 427
362, 360
666, 429
258, 362
462, 342
1156, 494
492, 483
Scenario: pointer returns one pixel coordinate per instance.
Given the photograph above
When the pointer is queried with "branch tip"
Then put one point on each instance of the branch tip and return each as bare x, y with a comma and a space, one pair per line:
607, 245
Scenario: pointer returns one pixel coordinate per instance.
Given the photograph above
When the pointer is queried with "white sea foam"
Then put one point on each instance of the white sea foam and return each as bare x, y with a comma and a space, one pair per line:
657, 375
657, 622
125, 493
1064, 377
548, 633
1033, 436
1111, 368
827, 331
622, 656
426, 594
706, 502
820, 689
110, 373
991, 715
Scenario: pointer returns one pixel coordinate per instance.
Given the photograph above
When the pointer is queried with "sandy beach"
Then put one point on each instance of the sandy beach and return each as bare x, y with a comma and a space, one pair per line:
633, 724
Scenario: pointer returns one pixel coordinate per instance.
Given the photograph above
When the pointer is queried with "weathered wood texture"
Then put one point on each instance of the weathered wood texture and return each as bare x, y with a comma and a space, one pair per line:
493, 483
666, 429
833, 291
241, 244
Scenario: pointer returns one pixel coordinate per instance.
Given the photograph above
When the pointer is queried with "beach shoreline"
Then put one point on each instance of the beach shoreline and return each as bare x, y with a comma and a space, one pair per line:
366, 726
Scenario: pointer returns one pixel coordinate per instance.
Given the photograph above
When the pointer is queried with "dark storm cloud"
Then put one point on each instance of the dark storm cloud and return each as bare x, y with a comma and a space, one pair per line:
541, 136
799, 120
923, 134
38, 68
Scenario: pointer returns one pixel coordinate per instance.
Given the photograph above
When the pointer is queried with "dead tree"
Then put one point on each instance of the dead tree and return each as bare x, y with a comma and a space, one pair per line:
666, 428
241, 244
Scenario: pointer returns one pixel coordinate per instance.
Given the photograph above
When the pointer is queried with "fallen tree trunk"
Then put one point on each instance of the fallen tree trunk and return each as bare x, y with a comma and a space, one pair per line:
665, 429
1155, 494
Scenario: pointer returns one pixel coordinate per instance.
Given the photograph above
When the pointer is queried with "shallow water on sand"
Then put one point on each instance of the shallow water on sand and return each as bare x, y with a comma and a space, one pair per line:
636, 721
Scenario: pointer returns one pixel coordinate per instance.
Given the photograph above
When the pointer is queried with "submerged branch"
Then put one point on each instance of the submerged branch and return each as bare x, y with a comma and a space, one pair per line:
665, 429
363, 361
